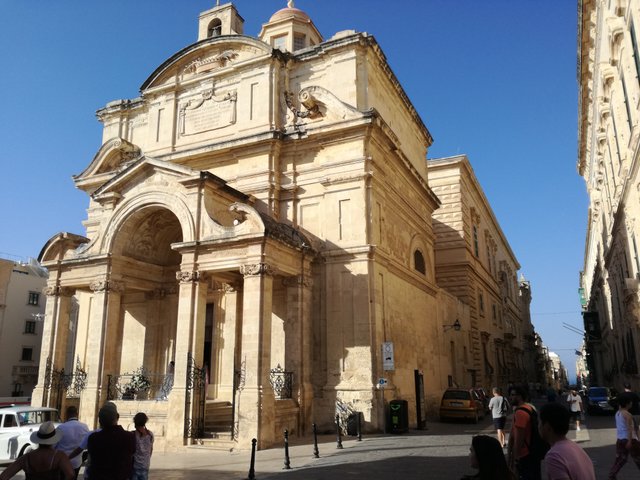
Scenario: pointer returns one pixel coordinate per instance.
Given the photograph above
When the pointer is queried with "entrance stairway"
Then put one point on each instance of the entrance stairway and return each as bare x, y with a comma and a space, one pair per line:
218, 425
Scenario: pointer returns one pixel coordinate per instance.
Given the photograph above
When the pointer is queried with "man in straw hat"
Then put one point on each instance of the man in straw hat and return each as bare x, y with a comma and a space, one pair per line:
45, 462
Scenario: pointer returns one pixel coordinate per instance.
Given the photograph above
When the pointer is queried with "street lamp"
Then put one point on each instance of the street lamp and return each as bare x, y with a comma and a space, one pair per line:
455, 325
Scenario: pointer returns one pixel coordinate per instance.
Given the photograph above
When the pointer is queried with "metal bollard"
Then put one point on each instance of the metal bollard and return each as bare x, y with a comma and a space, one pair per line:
287, 463
316, 452
358, 427
339, 445
252, 470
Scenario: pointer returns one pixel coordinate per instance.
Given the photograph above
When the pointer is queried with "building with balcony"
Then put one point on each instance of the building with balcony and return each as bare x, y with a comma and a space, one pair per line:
608, 148
22, 307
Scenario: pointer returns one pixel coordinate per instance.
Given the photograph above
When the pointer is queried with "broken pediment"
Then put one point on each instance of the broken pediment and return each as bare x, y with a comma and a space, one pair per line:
145, 172
205, 57
113, 156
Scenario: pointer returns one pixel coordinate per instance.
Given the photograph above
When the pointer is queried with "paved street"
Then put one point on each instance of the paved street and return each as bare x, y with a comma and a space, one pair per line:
441, 452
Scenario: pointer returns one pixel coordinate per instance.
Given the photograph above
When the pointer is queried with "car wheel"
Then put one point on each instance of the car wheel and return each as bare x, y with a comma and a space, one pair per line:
26, 449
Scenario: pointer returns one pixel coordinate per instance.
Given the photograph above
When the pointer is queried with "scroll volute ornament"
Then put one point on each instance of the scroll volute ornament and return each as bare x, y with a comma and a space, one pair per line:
256, 269
188, 276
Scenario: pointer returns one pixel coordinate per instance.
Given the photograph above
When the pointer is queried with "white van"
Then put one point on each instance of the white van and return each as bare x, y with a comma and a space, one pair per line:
16, 425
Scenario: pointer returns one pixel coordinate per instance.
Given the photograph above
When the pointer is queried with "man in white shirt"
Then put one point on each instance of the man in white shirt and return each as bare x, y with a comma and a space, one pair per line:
575, 404
73, 432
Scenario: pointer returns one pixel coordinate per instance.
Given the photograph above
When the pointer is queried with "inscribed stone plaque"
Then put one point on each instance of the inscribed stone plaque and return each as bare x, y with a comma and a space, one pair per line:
207, 112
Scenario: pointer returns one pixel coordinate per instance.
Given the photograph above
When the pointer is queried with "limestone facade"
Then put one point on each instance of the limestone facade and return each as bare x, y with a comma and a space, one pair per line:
608, 146
475, 263
260, 213
22, 306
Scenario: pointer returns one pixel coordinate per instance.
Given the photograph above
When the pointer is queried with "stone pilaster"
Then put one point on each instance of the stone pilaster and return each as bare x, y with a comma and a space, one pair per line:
256, 403
101, 341
192, 298
225, 351
55, 333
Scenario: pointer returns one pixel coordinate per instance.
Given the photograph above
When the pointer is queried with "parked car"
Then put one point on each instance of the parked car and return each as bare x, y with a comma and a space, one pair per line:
462, 403
599, 400
484, 398
16, 425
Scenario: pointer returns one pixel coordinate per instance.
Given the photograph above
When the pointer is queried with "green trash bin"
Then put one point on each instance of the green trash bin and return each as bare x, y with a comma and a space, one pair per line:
398, 416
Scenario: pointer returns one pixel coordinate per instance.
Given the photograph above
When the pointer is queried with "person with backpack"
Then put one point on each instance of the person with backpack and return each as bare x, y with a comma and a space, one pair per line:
499, 407
525, 449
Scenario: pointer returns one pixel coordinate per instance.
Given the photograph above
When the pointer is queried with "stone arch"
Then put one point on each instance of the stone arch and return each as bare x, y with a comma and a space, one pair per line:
146, 202
418, 251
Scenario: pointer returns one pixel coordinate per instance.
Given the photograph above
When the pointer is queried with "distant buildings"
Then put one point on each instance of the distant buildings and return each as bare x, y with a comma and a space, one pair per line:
22, 307
608, 149
262, 252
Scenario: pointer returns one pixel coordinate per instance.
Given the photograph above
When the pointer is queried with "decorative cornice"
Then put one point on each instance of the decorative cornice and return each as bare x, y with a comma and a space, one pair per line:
256, 269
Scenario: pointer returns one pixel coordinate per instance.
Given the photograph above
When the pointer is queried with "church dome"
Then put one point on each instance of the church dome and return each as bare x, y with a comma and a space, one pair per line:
289, 12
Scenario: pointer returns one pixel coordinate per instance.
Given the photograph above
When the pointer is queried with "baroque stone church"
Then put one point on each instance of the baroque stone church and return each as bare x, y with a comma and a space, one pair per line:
259, 234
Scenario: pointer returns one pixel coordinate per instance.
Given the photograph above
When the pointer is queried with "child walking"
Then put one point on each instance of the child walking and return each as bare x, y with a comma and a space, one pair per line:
144, 447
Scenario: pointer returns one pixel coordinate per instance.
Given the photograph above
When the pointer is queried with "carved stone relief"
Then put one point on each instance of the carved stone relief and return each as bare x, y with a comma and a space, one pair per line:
256, 269
188, 277
105, 285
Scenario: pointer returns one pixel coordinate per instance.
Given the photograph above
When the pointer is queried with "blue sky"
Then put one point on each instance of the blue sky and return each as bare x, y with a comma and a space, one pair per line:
495, 80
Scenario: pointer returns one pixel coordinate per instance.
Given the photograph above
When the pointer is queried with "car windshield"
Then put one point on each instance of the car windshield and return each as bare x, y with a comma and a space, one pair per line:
456, 395
37, 416
598, 392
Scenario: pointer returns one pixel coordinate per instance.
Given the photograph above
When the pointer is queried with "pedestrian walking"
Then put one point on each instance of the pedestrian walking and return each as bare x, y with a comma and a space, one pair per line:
565, 460
44, 463
520, 458
575, 405
144, 447
73, 433
111, 449
627, 441
634, 409
485, 455
499, 407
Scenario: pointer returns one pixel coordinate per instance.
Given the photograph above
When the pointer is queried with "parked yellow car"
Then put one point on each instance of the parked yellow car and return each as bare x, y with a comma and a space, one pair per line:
461, 403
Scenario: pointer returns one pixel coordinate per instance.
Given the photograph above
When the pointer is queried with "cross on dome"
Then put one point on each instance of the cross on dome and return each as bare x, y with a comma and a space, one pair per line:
290, 4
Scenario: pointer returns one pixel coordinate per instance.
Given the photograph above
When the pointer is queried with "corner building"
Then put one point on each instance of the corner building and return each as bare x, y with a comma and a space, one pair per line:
259, 226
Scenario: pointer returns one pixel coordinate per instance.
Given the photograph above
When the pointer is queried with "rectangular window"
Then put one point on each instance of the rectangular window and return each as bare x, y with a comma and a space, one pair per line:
27, 354
626, 102
30, 326
495, 312
298, 42
634, 44
481, 303
279, 42
475, 241
34, 298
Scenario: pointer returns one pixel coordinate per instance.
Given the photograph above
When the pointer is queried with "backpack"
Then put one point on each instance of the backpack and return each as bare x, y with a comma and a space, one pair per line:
538, 448
504, 407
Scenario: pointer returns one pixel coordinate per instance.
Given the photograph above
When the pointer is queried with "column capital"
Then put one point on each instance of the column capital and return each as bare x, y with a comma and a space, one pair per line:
189, 276
58, 291
105, 285
256, 269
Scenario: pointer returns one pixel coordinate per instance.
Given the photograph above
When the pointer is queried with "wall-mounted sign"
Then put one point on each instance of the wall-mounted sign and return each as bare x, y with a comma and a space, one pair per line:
387, 356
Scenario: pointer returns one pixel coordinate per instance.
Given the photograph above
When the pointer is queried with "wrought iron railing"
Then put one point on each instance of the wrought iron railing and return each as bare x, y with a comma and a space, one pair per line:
140, 385
281, 382
58, 384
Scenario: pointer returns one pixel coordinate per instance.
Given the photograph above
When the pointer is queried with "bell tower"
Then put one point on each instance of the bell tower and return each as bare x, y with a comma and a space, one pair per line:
220, 20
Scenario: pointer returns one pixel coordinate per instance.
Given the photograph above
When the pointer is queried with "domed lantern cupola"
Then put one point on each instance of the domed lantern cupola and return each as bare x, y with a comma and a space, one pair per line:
220, 20
290, 29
